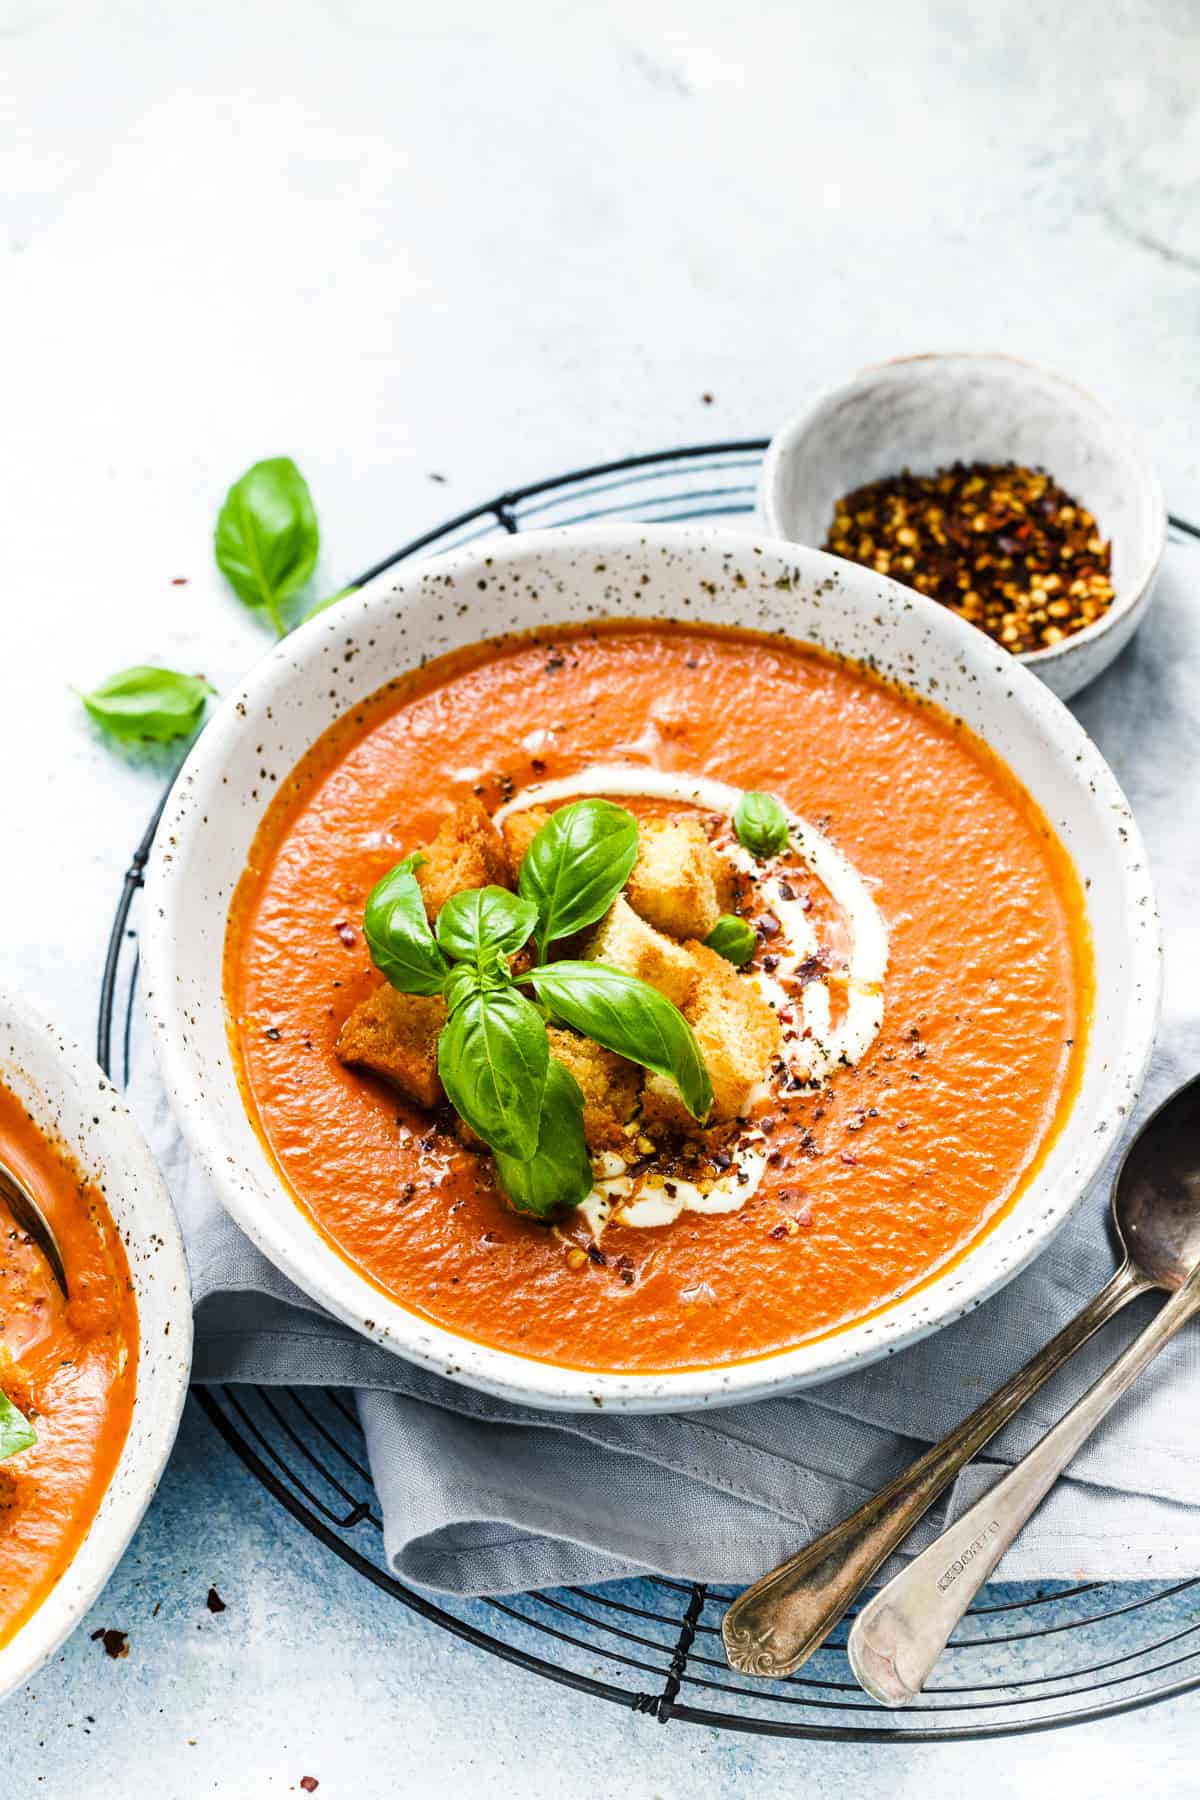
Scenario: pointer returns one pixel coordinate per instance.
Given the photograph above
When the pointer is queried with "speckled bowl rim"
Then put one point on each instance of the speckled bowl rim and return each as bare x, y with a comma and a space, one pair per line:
1132, 591
157, 1262
303, 1255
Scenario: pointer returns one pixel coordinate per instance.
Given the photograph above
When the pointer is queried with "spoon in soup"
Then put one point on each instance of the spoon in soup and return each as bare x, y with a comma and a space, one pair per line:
777, 1624
29, 1217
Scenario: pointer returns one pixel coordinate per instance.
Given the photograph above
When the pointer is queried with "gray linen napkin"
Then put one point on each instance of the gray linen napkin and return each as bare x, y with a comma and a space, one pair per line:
482, 1497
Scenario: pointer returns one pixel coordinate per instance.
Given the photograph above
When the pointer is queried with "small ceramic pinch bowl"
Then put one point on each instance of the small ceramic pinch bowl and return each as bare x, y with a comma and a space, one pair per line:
924, 412
73, 1103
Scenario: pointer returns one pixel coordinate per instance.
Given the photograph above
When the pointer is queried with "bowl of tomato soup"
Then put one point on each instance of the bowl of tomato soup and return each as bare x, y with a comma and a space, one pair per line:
97, 1377
949, 973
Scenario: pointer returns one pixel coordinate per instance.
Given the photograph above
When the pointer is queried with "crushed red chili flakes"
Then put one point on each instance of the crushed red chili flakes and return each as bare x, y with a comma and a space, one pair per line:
1000, 544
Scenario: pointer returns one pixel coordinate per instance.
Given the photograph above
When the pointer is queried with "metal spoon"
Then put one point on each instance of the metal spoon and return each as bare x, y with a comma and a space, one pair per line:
29, 1217
777, 1624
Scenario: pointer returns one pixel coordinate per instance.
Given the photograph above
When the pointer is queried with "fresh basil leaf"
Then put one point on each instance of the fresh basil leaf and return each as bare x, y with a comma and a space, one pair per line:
559, 1173
397, 932
492, 1059
16, 1433
733, 939
154, 705
460, 984
490, 972
577, 865
483, 918
267, 539
761, 824
630, 1017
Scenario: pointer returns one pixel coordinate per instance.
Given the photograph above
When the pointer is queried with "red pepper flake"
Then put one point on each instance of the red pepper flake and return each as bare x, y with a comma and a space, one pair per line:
179, 581
1001, 545
778, 1231
214, 1603
812, 968
309, 1783
116, 1643
346, 933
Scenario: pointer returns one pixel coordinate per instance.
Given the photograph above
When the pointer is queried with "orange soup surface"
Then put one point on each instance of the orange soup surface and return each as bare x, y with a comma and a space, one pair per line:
874, 1183
69, 1365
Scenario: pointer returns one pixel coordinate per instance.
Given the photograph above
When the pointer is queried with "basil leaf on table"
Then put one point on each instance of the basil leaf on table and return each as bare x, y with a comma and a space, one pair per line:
559, 1173
397, 932
630, 1017
761, 824
148, 704
577, 865
267, 538
484, 918
733, 939
492, 1058
16, 1433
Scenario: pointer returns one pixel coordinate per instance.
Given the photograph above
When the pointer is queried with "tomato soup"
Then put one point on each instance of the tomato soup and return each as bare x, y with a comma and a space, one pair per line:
877, 1176
70, 1366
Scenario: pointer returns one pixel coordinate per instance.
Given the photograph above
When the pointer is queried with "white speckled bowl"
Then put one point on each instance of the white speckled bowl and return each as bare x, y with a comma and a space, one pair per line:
73, 1101
541, 579
922, 412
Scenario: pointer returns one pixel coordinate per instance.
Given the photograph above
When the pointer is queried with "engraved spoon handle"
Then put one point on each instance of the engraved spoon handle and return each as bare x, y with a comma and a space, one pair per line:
901, 1632
777, 1624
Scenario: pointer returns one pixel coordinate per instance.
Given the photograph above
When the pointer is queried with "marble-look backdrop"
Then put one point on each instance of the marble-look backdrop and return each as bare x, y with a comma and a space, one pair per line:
483, 243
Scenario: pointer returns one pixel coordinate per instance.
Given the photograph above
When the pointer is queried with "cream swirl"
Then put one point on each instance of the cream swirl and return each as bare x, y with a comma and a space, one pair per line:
810, 1053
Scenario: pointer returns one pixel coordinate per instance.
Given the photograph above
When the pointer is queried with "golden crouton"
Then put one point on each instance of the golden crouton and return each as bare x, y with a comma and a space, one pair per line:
625, 942
396, 1035
677, 880
468, 852
519, 831
610, 1087
739, 1038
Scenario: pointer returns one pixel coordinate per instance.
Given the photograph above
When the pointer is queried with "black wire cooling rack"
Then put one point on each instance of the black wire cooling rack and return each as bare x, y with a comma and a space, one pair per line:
1027, 1658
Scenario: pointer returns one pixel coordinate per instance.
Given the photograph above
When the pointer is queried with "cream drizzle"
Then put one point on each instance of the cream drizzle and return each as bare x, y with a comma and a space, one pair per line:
810, 1056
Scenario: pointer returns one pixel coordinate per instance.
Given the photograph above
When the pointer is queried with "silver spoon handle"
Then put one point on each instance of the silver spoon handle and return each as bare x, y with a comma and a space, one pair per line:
777, 1624
899, 1635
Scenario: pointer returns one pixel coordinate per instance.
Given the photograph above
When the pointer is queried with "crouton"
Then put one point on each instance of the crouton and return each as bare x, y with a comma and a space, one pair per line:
739, 1038
468, 852
396, 1035
625, 942
677, 881
610, 1087
519, 831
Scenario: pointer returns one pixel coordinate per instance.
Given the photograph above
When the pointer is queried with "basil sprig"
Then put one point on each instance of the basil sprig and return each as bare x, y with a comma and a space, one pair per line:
397, 932
148, 705
494, 1052
16, 1433
492, 1057
733, 939
761, 824
630, 1017
267, 536
576, 866
559, 1173
482, 919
